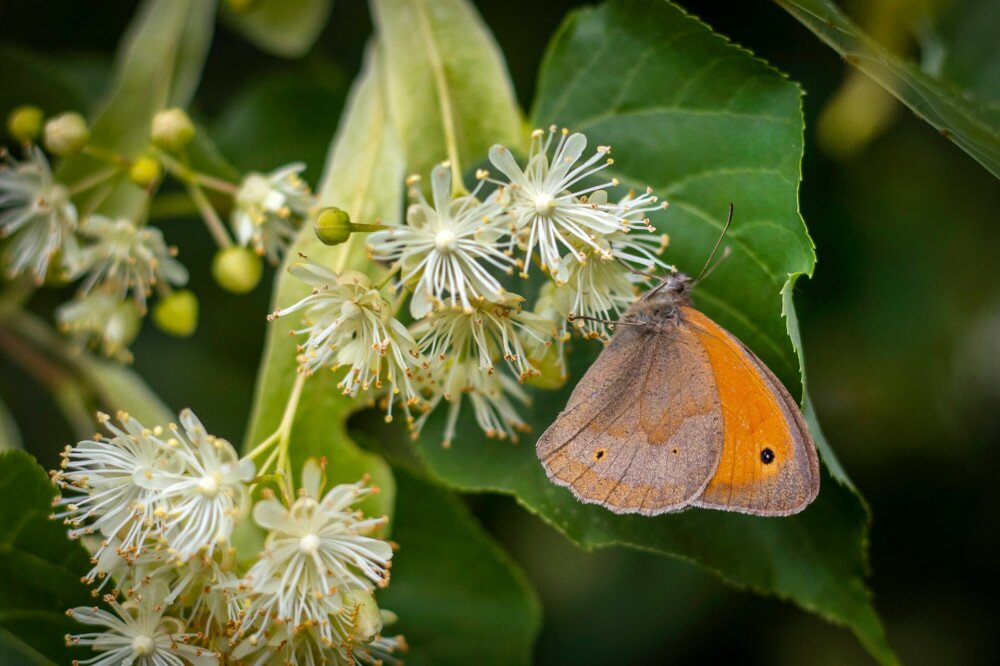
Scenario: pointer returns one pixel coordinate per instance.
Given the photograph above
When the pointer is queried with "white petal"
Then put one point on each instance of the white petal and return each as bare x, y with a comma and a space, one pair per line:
270, 514
501, 158
441, 187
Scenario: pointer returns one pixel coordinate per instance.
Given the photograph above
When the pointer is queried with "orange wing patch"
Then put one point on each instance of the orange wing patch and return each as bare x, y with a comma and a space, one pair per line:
768, 464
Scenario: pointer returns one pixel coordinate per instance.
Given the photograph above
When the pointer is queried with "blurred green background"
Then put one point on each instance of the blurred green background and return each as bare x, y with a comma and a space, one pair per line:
901, 323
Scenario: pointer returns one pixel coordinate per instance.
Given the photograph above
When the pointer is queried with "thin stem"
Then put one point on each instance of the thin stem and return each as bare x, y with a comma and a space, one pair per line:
285, 427
283, 434
388, 276
444, 99
216, 184
264, 445
106, 155
93, 180
212, 220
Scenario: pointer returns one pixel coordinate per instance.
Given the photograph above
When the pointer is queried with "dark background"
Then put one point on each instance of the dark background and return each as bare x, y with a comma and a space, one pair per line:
901, 325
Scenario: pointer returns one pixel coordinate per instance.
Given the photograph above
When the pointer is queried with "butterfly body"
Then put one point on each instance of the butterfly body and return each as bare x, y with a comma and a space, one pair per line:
676, 412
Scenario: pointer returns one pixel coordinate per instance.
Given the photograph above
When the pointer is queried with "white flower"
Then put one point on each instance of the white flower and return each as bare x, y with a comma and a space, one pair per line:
102, 474
123, 257
349, 324
306, 647
37, 212
447, 247
203, 586
601, 283
546, 213
102, 321
488, 333
597, 288
490, 395
140, 634
316, 552
266, 208
200, 502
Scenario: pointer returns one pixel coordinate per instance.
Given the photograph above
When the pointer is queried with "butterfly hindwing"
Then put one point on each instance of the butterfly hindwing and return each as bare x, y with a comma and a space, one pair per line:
769, 465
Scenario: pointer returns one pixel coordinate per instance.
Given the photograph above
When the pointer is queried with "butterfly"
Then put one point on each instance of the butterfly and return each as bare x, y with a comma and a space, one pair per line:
676, 412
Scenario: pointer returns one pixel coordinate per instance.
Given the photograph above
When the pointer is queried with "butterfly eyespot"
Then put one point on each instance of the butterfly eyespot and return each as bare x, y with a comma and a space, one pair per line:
766, 456
675, 451
600, 453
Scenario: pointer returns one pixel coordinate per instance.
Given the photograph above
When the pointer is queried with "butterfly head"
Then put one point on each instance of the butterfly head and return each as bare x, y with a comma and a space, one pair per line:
678, 284
675, 288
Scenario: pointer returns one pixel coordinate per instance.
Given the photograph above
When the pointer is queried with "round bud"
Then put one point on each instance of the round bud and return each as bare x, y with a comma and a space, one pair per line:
145, 172
551, 375
240, 6
177, 314
25, 123
172, 130
333, 226
363, 607
66, 134
237, 269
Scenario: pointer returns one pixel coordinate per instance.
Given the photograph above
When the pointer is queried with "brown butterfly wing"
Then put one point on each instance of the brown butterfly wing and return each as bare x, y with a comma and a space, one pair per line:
642, 431
769, 465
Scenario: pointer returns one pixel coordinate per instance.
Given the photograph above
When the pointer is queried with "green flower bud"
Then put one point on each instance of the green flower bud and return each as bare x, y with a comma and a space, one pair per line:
177, 314
333, 226
551, 375
237, 269
145, 172
172, 130
369, 620
241, 6
25, 123
66, 134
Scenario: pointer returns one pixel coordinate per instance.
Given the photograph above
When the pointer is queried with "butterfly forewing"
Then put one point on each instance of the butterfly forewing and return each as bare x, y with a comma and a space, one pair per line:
642, 432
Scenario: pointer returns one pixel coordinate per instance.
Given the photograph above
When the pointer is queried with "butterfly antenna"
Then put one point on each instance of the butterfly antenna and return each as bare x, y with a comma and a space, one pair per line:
703, 273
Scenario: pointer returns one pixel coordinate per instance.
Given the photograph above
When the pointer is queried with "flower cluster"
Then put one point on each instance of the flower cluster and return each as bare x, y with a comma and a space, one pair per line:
54, 231
268, 208
456, 257
158, 508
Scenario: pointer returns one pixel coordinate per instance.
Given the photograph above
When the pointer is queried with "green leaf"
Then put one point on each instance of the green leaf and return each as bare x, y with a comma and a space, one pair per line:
459, 597
10, 436
82, 383
286, 28
962, 48
284, 112
703, 123
120, 387
30, 78
40, 567
364, 175
449, 92
160, 62
959, 116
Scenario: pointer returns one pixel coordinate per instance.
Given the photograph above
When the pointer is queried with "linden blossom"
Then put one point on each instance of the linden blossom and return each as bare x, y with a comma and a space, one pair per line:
166, 501
544, 210
441, 246
268, 207
139, 632
319, 566
123, 257
37, 212
349, 324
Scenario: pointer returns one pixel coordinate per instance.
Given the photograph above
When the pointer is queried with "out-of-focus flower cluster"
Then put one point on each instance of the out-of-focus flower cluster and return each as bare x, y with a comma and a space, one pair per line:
54, 231
158, 508
458, 257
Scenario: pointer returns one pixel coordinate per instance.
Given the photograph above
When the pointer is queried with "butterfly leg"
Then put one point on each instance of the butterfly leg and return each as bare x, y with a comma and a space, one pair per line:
572, 317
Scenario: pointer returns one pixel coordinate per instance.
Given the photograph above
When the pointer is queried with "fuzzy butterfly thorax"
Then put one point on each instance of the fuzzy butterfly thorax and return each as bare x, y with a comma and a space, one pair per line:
660, 306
